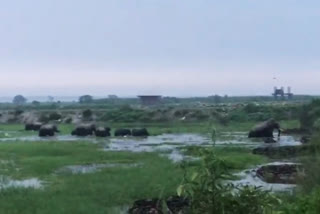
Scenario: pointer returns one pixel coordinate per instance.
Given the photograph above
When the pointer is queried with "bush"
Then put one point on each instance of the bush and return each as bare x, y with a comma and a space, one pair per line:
238, 116
181, 112
259, 116
306, 204
85, 99
44, 118
251, 108
68, 120
223, 119
87, 114
55, 116
127, 114
309, 114
18, 112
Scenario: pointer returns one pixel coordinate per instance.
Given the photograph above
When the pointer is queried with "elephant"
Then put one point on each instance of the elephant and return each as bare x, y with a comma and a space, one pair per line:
84, 130
35, 126
122, 132
103, 132
265, 129
48, 130
140, 132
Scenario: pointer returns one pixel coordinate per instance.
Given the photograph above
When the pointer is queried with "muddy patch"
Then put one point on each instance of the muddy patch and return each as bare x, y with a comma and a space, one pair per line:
92, 168
6, 182
281, 173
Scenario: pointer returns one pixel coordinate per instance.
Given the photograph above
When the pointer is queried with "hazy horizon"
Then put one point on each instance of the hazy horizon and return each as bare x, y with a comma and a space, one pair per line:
171, 48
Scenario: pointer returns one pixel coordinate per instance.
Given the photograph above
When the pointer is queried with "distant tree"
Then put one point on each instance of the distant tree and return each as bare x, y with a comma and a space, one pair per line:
217, 99
50, 99
35, 103
86, 99
226, 98
19, 100
112, 96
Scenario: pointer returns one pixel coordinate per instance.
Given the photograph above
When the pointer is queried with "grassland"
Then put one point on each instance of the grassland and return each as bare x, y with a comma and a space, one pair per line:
101, 192
109, 190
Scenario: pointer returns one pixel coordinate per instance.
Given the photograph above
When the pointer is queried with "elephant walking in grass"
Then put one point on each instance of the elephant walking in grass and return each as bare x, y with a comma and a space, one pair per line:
265, 129
84, 130
140, 132
103, 132
122, 132
48, 130
35, 126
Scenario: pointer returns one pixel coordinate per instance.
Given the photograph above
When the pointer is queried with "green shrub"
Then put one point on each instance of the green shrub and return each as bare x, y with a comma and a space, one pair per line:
305, 204
238, 116
55, 116
208, 192
259, 116
309, 114
223, 119
44, 118
251, 108
87, 114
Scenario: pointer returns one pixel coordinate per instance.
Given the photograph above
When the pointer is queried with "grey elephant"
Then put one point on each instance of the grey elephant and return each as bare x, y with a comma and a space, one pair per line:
103, 132
122, 132
84, 130
48, 130
140, 132
34, 126
265, 129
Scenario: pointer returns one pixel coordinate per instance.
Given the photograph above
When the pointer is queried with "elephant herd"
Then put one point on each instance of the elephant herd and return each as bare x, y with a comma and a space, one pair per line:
84, 130
263, 130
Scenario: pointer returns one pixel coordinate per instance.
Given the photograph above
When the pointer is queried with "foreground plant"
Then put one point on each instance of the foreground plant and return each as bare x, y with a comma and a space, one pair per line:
304, 204
209, 192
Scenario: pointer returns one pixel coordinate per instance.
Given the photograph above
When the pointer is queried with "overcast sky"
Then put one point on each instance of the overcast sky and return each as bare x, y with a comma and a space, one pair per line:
168, 47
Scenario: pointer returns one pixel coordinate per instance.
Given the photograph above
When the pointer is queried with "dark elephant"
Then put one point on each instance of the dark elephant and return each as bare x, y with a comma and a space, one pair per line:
84, 130
265, 129
48, 130
140, 132
103, 132
33, 126
122, 132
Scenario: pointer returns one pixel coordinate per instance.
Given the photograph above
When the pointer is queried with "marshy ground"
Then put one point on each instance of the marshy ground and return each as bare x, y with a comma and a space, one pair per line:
66, 174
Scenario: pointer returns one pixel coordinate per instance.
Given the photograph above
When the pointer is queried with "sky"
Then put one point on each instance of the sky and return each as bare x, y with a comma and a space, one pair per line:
167, 47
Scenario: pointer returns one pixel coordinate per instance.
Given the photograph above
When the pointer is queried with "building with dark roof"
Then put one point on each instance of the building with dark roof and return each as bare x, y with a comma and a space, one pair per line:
150, 99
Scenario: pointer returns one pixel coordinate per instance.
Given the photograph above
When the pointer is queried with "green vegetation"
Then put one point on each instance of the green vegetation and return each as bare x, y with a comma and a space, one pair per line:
112, 189
85, 193
208, 193
100, 192
310, 115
